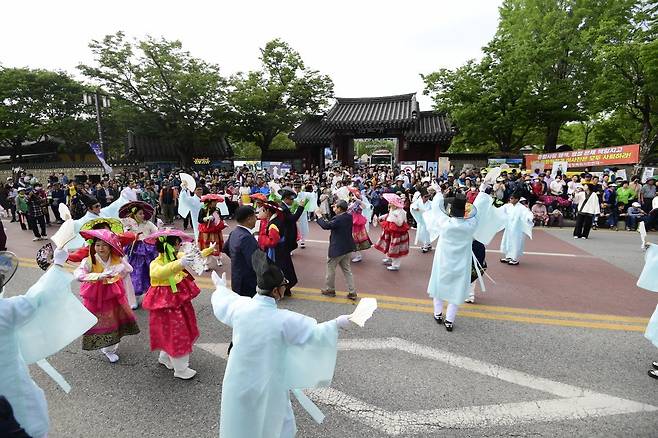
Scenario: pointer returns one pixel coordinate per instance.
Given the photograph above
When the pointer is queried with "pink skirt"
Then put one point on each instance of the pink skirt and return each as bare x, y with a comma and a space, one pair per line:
115, 317
394, 245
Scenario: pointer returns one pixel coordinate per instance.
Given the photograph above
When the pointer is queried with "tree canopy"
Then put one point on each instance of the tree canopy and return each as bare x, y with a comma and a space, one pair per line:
581, 72
274, 99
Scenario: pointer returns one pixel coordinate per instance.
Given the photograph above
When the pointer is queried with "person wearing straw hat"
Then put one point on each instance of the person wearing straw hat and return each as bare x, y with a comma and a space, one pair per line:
456, 230
394, 240
519, 222
172, 320
359, 233
272, 240
135, 217
103, 293
275, 351
211, 226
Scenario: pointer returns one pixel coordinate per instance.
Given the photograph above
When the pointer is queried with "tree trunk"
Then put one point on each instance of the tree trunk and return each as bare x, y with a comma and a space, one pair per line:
552, 133
647, 141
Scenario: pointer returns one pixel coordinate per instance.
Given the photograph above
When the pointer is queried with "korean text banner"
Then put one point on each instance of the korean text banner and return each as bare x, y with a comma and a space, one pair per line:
627, 154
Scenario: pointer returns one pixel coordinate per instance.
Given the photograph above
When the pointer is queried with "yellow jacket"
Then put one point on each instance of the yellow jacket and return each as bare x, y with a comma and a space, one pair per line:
160, 272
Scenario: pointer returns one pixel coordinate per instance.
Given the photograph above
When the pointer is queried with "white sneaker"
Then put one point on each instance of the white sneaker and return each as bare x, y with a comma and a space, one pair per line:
470, 299
357, 259
36, 239
387, 261
164, 360
392, 268
185, 374
112, 357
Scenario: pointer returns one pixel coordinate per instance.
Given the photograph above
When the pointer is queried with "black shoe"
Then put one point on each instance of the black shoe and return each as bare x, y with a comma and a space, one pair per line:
448, 325
653, 373
655, 365
438, 319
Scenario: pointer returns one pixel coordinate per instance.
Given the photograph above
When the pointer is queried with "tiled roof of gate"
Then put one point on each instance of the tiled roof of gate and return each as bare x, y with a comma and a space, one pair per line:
430, 127
373, 112
312, 131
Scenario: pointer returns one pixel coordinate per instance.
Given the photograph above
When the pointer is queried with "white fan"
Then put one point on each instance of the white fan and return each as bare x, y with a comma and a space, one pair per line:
188, 180
64, 212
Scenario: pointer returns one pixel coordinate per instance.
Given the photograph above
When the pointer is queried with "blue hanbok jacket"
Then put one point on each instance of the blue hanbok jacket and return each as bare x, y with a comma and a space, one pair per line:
274, 351
519, 222
649, 280
451, 269
33, 326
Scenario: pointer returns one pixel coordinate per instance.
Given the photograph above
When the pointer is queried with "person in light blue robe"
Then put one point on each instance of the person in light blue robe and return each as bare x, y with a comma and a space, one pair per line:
33, 326
649, 280
94, 211
275, 351
519, 223
450, 279
418, 208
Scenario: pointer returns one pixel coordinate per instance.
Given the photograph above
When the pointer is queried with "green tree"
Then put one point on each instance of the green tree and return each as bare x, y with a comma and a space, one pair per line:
274, 99
184, 95
627, 53
489, 101
554, 39
40, 102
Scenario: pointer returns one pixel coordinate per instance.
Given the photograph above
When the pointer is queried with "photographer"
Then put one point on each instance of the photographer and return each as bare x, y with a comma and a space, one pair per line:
35, 215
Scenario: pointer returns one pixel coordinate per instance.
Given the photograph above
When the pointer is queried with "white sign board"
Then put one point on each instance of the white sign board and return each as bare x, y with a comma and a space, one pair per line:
648, 173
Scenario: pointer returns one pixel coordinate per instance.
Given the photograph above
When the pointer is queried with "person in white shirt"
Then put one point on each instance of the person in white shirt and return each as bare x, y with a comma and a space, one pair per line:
588, 207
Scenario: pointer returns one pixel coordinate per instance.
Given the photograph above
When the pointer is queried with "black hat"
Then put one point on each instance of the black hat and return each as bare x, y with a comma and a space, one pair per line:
89, 201
268, 275
287, 192
458, 206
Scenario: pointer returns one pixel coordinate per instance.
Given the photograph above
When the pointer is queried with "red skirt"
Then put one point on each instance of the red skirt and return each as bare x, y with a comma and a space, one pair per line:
209, 234
394, 241
172, 320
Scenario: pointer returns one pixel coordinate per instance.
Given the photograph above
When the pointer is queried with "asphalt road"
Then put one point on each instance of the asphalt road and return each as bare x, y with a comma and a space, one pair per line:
554, 348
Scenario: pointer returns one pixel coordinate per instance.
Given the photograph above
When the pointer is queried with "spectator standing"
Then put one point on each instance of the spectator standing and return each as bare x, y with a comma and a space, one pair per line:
647, 193
168, 199
588, 207
35, 216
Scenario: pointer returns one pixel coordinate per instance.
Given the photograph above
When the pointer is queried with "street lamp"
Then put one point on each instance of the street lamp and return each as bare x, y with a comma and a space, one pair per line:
99, 101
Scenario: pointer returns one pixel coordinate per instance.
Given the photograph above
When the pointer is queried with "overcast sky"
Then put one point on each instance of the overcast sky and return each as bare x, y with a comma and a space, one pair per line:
369, 48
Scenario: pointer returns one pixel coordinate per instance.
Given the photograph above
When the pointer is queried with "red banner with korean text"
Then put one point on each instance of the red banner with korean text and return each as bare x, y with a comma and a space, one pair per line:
627, 154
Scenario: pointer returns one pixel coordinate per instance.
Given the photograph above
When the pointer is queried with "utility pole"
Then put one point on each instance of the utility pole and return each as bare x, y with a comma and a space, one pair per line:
99, 101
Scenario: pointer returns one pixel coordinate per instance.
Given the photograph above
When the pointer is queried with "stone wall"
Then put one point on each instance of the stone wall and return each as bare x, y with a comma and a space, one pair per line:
41, 172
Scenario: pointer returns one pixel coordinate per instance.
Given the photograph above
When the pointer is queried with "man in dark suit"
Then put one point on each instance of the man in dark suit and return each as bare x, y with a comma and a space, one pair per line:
239, 246
289, 234
341, 245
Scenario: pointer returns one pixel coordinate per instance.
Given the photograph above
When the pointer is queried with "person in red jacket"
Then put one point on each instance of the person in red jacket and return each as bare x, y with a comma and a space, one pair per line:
211, 226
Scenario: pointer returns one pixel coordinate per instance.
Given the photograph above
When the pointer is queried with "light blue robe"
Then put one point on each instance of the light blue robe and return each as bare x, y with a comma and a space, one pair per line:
519, 222
32, 326
111, 211
274, 351
451, 269
649, 280
418, 208
190, 204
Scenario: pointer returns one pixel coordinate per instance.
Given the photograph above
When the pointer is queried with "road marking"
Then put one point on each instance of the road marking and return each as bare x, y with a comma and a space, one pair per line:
496, 313
573, 403
497, 251
219, 350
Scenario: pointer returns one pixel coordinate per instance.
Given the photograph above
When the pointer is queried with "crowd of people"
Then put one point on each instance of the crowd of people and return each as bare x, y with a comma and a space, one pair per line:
118, 233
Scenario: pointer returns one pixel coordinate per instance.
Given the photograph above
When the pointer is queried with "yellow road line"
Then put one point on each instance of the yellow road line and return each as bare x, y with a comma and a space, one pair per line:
493, 316
474, 311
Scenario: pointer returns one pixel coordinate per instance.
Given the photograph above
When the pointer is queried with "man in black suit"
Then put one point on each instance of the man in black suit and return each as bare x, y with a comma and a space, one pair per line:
341, 245
289, 234
240, 246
